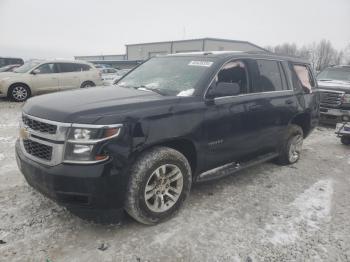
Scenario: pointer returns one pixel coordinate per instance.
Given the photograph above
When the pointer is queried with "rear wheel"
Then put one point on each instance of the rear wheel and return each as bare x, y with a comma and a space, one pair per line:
19, 92
159, 184
345, 140
87, 84
292, 145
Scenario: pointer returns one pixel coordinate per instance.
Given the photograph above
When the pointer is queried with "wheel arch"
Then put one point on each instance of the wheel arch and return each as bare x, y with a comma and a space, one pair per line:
19, 83
304, 121
184, 145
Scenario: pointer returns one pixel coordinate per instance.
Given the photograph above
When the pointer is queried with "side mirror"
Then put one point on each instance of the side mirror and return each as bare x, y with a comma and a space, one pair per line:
36, 71
224, 89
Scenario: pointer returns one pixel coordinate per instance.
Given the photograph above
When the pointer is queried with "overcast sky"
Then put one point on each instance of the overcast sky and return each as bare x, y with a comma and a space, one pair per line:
64, 28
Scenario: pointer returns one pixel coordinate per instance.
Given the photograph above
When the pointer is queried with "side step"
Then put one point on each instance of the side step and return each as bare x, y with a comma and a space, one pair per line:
233, 167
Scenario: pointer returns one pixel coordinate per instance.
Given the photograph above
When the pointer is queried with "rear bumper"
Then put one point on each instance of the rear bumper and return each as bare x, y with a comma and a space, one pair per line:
332, 115
91, 189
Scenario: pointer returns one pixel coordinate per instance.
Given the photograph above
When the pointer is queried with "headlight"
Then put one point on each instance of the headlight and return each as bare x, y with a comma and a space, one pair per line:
83, 140
346, 99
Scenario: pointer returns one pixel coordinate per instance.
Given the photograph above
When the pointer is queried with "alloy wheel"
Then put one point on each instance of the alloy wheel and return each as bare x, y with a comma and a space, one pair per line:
163, 188
295, 148
19, 93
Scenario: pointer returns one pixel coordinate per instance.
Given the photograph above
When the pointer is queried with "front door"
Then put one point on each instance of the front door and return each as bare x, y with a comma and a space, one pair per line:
229, 128
44, 78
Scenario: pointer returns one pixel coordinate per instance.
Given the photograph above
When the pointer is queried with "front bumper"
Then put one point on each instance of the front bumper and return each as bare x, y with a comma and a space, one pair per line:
332, 115
98, 188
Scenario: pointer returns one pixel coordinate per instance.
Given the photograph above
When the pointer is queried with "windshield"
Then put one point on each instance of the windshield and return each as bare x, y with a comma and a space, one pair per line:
26, 67
176, 76
340, 74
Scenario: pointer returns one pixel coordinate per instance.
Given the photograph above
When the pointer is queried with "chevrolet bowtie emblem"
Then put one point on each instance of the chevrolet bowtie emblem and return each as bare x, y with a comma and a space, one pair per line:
23, 133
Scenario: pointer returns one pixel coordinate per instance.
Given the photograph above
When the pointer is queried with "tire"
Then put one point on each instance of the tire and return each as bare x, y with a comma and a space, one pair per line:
19, 92
345, 140
148, 185
292, 145
87, 84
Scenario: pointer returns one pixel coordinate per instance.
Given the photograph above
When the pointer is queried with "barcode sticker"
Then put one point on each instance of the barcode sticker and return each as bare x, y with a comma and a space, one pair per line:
201, 63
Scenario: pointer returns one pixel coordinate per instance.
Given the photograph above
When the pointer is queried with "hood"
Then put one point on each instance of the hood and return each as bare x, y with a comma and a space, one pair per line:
335, 85
98, 105
8, 74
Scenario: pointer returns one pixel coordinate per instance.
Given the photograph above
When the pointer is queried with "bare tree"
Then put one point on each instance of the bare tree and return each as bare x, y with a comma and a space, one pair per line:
320, 55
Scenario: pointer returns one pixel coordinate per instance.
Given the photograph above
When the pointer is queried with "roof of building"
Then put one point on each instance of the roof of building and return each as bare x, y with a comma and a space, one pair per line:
200, 39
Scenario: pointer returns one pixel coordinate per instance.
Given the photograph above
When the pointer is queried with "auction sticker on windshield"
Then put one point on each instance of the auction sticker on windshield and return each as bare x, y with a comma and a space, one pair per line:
200, 63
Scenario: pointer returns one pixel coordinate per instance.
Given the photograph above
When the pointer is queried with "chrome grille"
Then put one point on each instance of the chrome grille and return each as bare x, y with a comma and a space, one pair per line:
331, 98
37, 149
39, 126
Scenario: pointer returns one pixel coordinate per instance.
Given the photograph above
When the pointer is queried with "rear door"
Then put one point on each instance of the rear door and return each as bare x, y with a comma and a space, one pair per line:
272, 106
69, 75
46, 78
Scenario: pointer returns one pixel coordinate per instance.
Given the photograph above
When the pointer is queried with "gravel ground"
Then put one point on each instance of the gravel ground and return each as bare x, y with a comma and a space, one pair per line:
265, 213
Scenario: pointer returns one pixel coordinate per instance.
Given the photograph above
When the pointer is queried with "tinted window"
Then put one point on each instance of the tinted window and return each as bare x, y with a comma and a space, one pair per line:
341, 74
234, 72
83, 67
67, 67
268, 78
46, 69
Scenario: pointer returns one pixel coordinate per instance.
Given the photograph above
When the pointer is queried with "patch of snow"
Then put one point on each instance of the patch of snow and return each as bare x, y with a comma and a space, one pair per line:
312, 207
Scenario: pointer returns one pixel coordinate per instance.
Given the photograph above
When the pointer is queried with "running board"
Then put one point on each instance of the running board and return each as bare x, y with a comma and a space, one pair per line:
233, 167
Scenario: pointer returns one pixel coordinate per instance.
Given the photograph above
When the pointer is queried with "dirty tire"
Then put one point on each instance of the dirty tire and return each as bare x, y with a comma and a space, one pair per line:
87, 84
284, 158
345, 140
142, 171
19, 92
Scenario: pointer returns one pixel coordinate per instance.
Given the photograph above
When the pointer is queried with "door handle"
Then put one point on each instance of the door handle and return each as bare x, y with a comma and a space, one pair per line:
289, 101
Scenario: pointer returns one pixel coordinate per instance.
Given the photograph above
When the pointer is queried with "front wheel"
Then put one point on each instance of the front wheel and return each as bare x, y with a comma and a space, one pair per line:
19, 92
159, 184
292, 145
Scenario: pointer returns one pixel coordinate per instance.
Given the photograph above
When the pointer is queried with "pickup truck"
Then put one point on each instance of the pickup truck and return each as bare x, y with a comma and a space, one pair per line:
334, 85
173, 121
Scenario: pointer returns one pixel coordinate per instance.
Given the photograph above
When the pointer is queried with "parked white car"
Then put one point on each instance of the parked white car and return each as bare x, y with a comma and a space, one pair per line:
38, 77
109, 74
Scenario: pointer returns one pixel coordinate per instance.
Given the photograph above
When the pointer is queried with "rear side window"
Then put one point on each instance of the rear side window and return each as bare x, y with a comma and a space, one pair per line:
269, 78
72, 67
67, 67
83, 67
304, 79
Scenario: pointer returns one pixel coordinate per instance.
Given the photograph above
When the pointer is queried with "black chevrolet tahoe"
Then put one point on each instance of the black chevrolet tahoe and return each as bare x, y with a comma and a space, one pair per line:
171, 122
334, 87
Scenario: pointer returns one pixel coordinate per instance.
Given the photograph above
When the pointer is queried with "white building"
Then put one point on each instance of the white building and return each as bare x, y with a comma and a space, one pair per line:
146, 50
135, 53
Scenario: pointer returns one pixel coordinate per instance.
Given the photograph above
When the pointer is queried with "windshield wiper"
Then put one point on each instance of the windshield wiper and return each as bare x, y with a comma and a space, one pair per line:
155, 90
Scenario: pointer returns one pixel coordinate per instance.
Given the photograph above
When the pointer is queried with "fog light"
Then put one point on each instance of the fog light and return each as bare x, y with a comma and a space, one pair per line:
345, 118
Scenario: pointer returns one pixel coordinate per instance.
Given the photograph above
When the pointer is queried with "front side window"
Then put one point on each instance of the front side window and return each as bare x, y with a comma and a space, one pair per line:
173, 76
267, 76
46, 69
